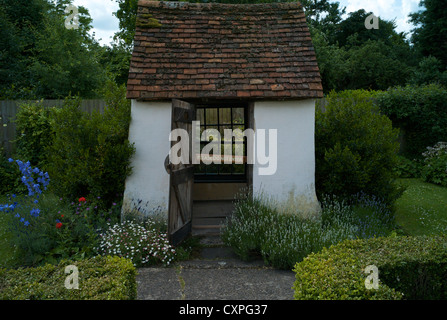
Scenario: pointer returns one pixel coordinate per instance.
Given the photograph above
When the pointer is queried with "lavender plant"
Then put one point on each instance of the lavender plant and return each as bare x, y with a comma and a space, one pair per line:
258, 228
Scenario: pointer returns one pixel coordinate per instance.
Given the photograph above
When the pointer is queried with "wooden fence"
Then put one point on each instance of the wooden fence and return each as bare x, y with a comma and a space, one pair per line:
9, 109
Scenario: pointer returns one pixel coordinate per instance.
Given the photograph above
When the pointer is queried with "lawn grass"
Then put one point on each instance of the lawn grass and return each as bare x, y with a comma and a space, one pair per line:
422, 208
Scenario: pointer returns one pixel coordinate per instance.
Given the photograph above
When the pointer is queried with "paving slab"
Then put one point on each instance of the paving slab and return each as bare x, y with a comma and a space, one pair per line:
217, 275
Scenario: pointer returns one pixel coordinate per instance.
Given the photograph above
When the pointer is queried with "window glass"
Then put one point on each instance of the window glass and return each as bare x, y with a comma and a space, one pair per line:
221, 118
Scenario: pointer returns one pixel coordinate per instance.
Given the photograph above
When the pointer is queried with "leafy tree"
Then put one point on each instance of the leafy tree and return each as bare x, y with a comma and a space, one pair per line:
126, 14
18, 22
355, 24
429, 71
430, 34
66, 61
323, 15
116, 61
332, 61
43, 59
85, 21
354, 57
375, 66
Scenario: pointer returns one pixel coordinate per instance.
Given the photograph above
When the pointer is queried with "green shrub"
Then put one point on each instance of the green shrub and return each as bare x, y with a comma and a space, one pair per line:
90, 154
34, 132
420, 112
355, 147
100, 278
435, 164
406, 168
408, 268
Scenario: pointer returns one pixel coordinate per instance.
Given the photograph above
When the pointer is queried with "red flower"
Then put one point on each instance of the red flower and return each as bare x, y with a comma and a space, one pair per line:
62, 215
82, 199
58, 225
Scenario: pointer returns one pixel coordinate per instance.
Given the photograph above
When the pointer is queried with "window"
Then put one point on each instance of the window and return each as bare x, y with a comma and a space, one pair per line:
221, 118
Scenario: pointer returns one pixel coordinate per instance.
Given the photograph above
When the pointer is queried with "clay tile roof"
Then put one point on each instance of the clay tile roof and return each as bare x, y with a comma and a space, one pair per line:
191, 50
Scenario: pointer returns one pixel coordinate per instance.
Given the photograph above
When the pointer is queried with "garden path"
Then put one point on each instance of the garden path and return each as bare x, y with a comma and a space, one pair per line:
216, 275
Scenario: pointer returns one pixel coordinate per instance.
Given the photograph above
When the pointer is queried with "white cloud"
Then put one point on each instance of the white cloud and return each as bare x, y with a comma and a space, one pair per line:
105, 24
378, 7
397, 10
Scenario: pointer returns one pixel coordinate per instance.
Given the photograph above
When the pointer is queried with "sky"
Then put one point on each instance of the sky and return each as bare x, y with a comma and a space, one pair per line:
397, 10
105, 24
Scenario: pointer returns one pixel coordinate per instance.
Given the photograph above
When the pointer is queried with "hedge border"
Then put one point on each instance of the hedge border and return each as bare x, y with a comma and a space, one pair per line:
409, 268
100, 278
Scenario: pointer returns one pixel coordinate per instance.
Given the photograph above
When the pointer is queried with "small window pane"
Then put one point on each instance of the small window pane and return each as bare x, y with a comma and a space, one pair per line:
225, 169
238, 116
201, 116
239, 149
225, 116
222, 132
200, 169
210, 133
238, 169
212, 169
238, 135
211, 116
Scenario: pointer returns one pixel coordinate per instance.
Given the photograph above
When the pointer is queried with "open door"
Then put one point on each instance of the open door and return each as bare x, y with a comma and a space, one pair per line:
181, 178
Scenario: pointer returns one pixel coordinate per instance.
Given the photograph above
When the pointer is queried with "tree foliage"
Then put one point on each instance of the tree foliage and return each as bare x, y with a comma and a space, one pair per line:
41, 58
430, 34
354, 24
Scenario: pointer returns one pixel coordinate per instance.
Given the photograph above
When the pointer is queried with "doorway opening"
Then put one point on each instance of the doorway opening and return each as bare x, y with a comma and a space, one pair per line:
217, 185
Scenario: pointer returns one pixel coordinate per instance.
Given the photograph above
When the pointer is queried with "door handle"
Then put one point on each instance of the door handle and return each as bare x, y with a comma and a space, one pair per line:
167, 164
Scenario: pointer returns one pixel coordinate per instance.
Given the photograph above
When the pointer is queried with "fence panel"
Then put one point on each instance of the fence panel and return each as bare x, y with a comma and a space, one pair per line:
9, 109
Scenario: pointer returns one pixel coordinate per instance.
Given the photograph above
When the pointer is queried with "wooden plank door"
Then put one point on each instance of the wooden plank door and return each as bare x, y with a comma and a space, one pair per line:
181, 178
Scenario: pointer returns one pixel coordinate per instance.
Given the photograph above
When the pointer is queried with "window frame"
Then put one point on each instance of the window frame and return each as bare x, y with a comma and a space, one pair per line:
219, 177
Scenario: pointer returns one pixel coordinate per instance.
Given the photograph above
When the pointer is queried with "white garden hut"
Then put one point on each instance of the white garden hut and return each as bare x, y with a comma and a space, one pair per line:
216, 67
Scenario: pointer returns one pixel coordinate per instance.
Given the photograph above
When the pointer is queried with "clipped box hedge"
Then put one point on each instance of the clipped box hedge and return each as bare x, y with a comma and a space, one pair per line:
99, 278
408, 268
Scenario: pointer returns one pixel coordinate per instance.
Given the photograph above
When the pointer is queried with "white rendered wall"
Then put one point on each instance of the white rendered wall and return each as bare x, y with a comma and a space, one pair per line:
149, 182
294, 179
